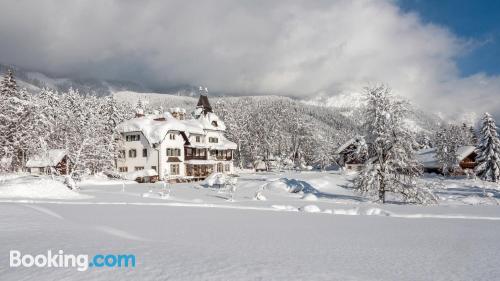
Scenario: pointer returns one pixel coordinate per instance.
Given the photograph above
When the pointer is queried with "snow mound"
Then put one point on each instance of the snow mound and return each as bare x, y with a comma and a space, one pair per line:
259, 196
156, 195
476, 200
348, 212
139, 174
310, 209
38, 188
216, 179
278, 185
377, 212
290, 185
285, 207
310, 197
101, 179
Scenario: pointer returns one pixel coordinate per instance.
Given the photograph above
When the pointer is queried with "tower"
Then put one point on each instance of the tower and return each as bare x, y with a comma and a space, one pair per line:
203, 105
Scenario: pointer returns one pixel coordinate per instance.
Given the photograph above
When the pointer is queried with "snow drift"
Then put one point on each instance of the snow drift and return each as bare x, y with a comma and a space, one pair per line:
38, 188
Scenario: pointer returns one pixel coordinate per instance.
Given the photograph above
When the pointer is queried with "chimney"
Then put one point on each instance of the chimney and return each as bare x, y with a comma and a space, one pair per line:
178, 113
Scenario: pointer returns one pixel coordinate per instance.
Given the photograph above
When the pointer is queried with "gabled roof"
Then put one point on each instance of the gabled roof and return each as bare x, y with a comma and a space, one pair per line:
343, 147
155, 127
48, 159
427, 157
155, 131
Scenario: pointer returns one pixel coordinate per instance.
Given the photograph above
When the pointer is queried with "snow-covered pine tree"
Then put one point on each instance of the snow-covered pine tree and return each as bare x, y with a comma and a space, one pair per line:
14, 117
393, 167
467, 135
488, 151
473, 135
8, 86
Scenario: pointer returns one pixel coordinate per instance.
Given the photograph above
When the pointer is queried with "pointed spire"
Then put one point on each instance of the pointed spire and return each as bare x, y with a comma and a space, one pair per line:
203, 102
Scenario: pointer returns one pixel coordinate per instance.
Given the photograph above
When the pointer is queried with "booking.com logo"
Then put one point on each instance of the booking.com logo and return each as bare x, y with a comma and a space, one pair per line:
80, 262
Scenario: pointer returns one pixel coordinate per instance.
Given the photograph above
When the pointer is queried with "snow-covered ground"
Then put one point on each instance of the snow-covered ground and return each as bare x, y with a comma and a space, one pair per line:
278, 226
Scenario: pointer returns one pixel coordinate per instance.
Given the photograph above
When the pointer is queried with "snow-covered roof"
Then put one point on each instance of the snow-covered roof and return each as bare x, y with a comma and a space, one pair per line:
210, 121
427, 157
155, 127
47, 159
348, 143
155, 131
465, 151
223, 144
177, 109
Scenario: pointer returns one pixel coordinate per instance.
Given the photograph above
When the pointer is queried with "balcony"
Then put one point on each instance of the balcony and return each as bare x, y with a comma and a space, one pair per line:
195, 157
220, 158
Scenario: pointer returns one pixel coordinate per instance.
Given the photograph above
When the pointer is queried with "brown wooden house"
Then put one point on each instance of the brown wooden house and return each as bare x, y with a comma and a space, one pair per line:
466, 157
350, 155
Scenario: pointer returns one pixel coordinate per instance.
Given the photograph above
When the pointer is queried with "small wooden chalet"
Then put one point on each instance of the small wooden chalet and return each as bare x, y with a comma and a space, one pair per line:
53, 160
350, 155
466, 157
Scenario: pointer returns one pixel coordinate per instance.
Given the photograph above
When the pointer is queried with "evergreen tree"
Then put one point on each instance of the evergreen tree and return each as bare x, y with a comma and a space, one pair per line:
473, 135
488, 151
14, 122
8, 86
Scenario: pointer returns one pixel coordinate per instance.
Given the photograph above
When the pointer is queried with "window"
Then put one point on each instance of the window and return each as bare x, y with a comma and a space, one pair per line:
171, 136
189, 152
198, 139
214, 123
174, 169
123, 169
132, 153
227, 168
198, 152
219, 168
173, 152
139, 168
213, 140
133, 137
121, 154
145, 152
153, 167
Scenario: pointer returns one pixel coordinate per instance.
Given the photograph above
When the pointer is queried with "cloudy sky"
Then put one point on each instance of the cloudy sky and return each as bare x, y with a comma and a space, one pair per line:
441, 54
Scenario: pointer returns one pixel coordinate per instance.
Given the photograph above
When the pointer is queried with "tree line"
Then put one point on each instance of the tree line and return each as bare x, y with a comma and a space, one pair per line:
83, 125
280, 131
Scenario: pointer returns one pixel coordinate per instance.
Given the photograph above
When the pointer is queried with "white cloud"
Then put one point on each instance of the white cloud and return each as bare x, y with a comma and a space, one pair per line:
297, 48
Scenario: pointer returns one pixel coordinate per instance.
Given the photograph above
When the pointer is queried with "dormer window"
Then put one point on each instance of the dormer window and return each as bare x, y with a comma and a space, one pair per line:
133, 137
214, 123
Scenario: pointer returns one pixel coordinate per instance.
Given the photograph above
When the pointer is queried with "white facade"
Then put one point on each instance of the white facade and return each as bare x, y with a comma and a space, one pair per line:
176, 147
